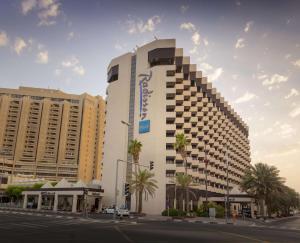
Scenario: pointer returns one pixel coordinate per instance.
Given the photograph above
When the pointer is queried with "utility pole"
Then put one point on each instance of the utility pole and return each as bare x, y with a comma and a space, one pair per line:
127, 124
206, 162
227, 186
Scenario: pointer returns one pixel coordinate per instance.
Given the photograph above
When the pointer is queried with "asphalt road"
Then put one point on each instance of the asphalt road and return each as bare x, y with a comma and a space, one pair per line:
288, 223
22, 228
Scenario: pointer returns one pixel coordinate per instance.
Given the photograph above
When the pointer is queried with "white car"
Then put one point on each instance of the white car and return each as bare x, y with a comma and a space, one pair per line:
109, 210
122, 212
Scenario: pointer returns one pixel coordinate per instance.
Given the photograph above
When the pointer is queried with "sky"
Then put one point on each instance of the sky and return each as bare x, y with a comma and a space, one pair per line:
249, 50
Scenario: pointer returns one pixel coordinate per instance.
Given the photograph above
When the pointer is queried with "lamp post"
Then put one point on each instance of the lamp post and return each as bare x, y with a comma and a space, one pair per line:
126, 148
206, 162
227, 186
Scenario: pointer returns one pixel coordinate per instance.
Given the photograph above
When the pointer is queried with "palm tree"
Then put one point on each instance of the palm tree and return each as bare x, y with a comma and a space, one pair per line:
184, 182
261, 181
181, 147
134, 149
143, 183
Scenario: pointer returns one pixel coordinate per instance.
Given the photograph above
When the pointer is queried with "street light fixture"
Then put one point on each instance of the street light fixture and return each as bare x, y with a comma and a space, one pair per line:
126, 148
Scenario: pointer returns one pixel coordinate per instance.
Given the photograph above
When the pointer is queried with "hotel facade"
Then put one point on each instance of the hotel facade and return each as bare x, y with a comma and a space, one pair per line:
159, 93
46, 133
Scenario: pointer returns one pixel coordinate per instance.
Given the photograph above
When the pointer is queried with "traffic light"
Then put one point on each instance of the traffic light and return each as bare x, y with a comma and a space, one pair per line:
126, 189
151, 165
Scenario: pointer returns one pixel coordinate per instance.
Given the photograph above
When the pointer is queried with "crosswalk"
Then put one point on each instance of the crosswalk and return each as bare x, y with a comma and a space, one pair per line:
275, 227
51, 221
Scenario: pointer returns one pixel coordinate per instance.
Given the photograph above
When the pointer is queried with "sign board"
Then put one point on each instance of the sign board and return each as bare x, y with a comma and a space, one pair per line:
212, 213
145, 94
144, 126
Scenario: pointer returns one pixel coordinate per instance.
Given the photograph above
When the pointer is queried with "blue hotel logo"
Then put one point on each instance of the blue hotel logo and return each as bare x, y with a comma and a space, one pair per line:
144, 126
145, 94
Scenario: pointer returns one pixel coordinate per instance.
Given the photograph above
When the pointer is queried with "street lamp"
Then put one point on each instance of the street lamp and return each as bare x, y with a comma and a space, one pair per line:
227, 185
206, 162
126, 147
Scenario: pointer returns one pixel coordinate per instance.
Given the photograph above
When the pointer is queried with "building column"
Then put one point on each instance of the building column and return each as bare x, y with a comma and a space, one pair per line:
25, 201
74, 204
55, 202
39, 205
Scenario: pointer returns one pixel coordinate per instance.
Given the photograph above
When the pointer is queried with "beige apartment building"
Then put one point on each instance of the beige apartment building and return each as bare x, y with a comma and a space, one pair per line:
50, 134
160, 94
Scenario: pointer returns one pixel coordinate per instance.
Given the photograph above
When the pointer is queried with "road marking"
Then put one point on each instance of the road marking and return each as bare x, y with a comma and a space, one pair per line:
241, 236
123, 234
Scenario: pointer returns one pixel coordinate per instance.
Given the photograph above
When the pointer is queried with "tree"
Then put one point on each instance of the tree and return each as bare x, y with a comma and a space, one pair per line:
285, 201
181, 147
14, 192
184, 181
261, 181
143, 183
134, 149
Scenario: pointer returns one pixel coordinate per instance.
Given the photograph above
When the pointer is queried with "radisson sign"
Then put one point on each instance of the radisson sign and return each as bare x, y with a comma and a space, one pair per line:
145, 94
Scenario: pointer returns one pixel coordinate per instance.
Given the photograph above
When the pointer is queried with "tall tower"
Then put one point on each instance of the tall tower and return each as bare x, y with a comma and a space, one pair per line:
160, 94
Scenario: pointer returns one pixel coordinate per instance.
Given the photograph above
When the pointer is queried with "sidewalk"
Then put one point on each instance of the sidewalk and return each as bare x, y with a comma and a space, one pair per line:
204, 220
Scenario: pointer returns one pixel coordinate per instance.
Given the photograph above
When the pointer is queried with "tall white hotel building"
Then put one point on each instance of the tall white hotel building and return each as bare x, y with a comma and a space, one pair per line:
160, 94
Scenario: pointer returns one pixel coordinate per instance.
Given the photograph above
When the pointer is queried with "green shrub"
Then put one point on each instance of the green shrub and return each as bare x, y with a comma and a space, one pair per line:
173, 212
201, 212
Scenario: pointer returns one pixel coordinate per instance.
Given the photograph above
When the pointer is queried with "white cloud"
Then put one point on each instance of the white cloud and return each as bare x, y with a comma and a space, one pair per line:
282, 153
194, 50
79, 70
20, 44
188, 26
295, 112
205, 41
57, 72
3, 38
70, 62
234, 88
248, 26
28, 5
275, 79
297, 63
286, 130
47, 10
267, 104
205, 66
292, 93
240, 43
216, 74
139, 26
287, 56
245, 98
42, 57
71, 35
74, 64
196, 38
184, 8
235, 76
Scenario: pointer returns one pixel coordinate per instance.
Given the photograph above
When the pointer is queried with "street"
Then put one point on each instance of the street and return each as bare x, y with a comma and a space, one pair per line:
28, 227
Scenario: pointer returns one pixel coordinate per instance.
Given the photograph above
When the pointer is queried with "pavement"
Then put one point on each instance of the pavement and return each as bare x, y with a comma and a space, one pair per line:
24, 226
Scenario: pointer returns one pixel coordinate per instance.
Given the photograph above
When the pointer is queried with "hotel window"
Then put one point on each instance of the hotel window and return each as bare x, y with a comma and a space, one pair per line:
113, 74
161, 56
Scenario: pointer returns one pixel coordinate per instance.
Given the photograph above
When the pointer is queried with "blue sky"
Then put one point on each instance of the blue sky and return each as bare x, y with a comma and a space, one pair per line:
250, 51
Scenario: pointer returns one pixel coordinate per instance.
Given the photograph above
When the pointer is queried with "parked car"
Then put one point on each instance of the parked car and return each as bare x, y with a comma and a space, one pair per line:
122, 212
109, 210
